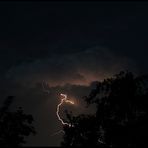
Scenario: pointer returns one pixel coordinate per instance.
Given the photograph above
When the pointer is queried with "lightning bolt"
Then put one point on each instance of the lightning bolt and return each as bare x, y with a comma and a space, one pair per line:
58, 109
64, 100
58, 115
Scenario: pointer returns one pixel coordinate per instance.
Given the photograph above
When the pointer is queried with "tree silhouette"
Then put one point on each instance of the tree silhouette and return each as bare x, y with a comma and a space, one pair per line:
121, 117
14, 126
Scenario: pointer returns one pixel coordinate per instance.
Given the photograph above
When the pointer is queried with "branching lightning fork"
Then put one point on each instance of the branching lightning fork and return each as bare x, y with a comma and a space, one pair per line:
58, 108
45, 84
57, 113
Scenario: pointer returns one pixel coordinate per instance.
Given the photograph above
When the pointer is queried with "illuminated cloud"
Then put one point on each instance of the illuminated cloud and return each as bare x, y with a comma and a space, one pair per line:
78, 68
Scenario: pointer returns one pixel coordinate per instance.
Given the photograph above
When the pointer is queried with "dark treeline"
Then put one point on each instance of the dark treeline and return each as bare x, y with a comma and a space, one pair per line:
120, 118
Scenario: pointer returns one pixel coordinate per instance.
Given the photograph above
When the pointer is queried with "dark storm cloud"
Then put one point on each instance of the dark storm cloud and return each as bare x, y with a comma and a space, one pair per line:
30, 30
68, 45
80, 67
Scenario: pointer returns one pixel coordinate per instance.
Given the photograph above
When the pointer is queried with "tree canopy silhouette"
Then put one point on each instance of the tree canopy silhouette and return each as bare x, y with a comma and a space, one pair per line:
14, 126
121, 116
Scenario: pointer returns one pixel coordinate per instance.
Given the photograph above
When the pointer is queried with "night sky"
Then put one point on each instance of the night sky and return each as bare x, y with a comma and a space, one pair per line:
68, 45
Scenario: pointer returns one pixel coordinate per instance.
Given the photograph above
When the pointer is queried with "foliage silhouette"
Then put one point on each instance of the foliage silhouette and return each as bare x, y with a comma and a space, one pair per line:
14, 126
121, 117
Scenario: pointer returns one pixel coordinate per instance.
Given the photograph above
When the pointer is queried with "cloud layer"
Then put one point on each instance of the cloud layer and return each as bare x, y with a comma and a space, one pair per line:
78, 68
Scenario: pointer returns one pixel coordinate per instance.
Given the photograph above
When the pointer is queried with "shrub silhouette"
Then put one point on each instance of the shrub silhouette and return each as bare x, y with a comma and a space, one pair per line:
14, 126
